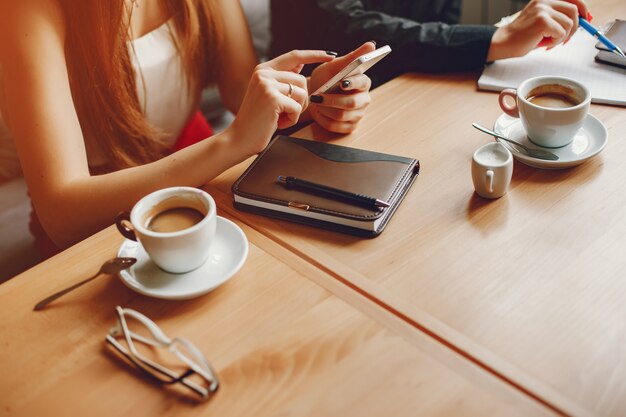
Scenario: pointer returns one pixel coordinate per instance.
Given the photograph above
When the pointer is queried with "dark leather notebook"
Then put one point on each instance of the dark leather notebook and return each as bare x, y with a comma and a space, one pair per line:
617, 34
378, 175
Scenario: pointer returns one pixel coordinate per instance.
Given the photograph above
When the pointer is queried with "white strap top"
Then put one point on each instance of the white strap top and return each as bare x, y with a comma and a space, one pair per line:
161, 87
161, 81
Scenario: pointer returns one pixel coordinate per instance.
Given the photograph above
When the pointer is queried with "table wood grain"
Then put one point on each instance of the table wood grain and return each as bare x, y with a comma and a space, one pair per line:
280, 343
531, 286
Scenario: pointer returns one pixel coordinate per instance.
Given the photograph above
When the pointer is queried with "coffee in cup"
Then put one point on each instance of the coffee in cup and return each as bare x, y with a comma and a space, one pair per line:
173, 215
554, 96
174, 219
552, 109
175, 226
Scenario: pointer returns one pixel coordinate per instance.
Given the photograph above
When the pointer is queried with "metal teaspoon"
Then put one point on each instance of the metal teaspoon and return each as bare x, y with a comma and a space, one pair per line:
532, 152
110, 267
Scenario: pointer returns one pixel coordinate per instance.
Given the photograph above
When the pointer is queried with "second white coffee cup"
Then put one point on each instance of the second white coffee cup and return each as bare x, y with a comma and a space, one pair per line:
552, 109
492, 169
186, 220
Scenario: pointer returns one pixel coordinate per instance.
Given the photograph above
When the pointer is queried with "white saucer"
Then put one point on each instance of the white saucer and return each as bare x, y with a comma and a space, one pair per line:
588, 142
227, 255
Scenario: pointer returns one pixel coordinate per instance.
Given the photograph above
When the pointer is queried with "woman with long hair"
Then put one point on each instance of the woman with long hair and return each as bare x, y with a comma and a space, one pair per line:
101, 101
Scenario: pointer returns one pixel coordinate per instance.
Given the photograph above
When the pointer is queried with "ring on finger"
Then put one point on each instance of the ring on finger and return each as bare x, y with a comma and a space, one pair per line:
290, 92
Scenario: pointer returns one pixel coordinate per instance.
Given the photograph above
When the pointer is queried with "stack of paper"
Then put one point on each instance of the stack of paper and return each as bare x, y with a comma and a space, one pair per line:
574, 60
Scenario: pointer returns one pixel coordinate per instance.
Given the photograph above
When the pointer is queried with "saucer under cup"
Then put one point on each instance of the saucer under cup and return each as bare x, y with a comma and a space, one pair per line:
588, 141
227, 255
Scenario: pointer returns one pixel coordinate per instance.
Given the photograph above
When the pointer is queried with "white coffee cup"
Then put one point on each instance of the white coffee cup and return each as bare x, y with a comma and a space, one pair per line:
492, 168
177, 251
537, 102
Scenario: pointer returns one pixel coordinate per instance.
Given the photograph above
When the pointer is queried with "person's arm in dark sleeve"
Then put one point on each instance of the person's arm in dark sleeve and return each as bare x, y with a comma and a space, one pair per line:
426, 47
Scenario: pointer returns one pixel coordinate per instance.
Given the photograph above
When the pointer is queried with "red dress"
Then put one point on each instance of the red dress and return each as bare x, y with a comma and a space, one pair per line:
197, 129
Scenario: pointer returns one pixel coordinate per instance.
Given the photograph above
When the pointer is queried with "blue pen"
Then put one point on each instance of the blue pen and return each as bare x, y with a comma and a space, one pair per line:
595, 32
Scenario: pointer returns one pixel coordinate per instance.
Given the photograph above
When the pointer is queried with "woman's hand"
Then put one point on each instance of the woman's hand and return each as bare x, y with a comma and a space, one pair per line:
276, 96
540, 23
341, 111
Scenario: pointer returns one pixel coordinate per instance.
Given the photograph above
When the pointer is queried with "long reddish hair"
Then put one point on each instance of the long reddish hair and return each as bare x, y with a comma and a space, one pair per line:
102, 78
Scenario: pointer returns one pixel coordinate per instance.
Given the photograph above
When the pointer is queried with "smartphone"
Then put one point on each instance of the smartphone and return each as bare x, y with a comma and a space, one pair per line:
358, 66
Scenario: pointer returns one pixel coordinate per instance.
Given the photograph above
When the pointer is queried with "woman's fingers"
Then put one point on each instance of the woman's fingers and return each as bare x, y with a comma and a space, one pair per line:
294, 60
557, 28
326, 71
541, 23
274, 99
340, 112
293, 86
343, 101
287, 83
554, 27
359, 82
568, 9
290, 111
339, 63
582, 9
293, 92
333, 125
283, 76
566, 14
341, 115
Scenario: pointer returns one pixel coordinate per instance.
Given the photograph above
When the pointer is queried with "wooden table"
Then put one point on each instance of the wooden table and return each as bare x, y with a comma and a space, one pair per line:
281, 344
531, 286
462, 306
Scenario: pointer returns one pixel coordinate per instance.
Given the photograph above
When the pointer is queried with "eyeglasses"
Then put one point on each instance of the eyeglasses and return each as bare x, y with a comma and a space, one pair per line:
184, 350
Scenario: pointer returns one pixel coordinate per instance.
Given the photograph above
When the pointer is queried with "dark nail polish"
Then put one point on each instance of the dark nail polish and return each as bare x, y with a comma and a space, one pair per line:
317, 99
331, 53
345, 83
374, 42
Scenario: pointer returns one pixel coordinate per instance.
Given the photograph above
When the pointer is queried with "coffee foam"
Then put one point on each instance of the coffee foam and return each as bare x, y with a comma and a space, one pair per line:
567, 92
491, 157
188, 201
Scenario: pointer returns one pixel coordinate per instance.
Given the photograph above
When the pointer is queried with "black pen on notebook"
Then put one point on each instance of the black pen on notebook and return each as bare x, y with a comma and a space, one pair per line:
358, 199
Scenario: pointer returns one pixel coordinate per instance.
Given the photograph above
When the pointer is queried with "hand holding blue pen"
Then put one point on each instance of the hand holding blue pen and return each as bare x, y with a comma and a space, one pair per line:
606, 41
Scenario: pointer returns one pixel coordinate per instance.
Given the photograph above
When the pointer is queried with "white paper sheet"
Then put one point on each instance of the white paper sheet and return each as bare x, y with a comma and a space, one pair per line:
575, 60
